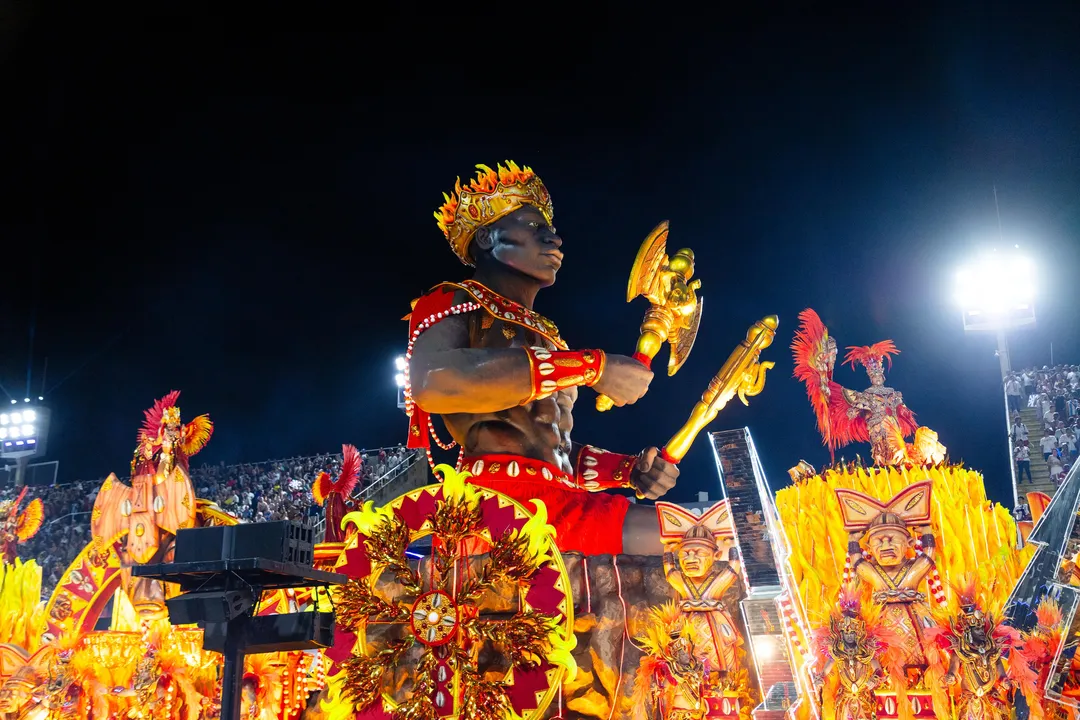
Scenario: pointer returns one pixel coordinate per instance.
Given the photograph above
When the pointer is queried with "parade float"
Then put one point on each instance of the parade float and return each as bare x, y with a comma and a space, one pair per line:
520, 585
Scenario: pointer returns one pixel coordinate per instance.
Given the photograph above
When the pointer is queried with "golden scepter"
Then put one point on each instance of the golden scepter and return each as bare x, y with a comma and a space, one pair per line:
742, 376
674, 313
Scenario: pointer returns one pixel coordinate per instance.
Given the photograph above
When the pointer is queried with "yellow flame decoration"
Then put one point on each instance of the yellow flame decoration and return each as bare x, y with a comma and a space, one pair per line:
972, 534
560, 653
368, 518
455, 489
539, 534
22, 613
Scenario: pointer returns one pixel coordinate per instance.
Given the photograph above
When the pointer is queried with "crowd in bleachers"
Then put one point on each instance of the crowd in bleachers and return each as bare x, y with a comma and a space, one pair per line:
1054, 394
252, 492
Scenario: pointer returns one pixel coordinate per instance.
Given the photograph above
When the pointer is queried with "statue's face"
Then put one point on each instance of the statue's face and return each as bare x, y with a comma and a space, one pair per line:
526, 243
696, 559
13, 695
889, 546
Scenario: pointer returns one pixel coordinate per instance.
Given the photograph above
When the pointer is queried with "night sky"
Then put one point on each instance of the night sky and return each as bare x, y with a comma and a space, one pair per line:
245, 215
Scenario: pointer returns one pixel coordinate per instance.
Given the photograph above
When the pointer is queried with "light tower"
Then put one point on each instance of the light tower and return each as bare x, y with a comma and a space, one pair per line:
996, 293
24, 430
399, 380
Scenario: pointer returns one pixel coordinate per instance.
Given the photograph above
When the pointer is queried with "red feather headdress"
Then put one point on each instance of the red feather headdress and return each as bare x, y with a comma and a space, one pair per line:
155, 416
867, 355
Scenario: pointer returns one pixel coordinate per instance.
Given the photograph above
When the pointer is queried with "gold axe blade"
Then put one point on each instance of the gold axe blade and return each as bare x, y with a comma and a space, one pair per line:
674, 313
683, 341
651, 256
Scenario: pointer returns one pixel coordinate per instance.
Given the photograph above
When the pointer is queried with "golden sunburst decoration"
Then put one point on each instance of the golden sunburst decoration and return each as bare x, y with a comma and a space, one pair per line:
481, 541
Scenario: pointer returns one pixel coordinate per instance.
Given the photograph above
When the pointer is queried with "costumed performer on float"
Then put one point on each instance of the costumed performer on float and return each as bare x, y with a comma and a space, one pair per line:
505, 382
876, 415
160, 500
334, 495
16, 527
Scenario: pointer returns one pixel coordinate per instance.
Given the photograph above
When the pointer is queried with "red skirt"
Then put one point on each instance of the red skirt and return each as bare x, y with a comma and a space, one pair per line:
585, 522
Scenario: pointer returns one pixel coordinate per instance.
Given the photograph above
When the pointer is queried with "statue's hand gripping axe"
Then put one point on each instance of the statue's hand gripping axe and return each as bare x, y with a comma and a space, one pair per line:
674, 313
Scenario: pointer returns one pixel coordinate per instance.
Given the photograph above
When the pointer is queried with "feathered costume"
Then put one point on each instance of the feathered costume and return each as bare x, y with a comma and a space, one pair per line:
876, 415
17, 528
987, 659
1041, 647
861, 652
333, 495
671, 676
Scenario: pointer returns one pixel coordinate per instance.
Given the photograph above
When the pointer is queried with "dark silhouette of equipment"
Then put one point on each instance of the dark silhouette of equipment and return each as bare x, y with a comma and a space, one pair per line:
222, 573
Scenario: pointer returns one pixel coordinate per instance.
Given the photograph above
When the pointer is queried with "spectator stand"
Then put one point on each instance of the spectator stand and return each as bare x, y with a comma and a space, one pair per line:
1049, 405
251, 492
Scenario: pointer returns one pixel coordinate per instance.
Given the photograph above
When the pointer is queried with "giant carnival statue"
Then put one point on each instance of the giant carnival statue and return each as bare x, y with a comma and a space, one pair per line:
532, 579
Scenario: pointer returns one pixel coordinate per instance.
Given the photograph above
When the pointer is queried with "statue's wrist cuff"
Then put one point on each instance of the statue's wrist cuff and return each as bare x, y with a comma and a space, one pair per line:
853, 547
599, 469
554, 370
927, 541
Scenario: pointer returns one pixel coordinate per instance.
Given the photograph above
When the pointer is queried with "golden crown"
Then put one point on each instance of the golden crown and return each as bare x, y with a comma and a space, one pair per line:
492, 195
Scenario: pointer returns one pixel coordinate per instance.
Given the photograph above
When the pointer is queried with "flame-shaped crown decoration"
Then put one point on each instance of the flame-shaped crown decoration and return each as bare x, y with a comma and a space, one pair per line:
495, 193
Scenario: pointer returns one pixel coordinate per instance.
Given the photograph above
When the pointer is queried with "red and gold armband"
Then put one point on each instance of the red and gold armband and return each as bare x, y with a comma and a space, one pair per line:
599, 469
554, 370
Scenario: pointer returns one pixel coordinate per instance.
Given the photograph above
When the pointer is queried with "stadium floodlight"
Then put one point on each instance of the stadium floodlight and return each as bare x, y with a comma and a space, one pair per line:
23, 432
399, 380
997, 291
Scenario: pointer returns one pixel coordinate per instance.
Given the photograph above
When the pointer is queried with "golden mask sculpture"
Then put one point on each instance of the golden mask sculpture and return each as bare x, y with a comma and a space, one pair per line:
889, 565
16, 696
702, 565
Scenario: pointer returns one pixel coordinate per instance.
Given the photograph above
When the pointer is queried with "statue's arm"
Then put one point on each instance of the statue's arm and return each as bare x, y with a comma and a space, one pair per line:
671, 563
734, 560
929, 545
865, 571
447, 376
598, 469
854, 548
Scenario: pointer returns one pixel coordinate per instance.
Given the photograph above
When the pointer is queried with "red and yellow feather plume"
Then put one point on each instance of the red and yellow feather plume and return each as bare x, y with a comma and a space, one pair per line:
30, 520
346, 481
813, 367
196, 434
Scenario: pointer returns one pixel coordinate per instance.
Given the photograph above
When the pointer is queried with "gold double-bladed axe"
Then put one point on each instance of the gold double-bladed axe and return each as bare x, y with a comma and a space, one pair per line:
674, 313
